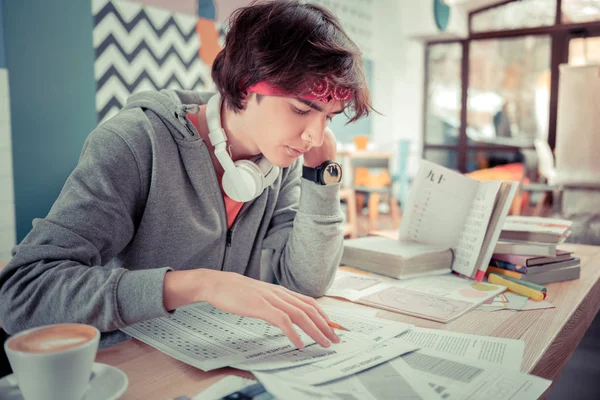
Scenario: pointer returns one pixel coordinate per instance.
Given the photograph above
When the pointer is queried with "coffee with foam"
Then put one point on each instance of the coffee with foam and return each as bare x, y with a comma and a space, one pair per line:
53, 338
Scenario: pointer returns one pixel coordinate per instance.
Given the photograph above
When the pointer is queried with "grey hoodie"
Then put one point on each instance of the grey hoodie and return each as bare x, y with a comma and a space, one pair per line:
144, 199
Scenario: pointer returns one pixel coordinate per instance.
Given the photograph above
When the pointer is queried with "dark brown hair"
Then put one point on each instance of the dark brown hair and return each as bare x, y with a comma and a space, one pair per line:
289, 45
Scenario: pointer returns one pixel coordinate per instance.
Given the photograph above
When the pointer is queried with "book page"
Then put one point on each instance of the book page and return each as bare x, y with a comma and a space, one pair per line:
437, 206
440, 298
504, 201
471, 237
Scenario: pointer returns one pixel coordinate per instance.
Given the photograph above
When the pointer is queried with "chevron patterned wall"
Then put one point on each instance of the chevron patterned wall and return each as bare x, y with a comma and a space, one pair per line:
139, 48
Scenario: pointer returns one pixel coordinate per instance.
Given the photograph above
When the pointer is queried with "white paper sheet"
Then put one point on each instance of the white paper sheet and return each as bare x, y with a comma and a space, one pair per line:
440, 298
222, 388
382, 382
280, 390
313, 374
365, 331
451, 379
487, 351
208, 338
471, 237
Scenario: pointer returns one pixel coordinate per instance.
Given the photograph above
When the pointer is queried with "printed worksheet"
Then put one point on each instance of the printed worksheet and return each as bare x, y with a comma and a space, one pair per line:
440, 298
208, 338
380, 382
364, 332
318, 373
487, 351
453, 379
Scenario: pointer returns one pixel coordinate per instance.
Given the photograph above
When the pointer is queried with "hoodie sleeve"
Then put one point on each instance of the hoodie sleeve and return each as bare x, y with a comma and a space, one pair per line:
56, 274
306, 234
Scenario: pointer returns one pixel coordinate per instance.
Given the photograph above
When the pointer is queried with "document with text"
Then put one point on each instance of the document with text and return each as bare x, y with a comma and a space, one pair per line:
208, 338
487, 351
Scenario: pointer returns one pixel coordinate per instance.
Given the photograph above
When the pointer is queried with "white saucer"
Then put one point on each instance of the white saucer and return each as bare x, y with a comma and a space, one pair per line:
109, 384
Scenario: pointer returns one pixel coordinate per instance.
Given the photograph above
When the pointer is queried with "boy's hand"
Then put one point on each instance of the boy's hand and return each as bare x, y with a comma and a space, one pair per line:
321, 152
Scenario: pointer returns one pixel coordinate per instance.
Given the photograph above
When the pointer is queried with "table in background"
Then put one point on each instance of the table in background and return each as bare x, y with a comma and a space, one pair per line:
550, 336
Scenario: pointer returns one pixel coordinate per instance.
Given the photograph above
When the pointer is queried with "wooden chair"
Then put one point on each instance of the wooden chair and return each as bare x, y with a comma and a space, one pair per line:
539, 170
377, 185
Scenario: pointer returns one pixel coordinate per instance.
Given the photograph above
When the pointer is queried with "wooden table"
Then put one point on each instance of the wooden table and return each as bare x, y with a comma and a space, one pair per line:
550, 337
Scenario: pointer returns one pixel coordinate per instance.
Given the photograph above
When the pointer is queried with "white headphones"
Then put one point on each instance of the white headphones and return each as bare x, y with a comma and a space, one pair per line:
243, 180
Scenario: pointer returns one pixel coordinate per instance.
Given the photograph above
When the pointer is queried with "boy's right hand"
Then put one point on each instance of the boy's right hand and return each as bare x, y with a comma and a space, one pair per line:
240, 295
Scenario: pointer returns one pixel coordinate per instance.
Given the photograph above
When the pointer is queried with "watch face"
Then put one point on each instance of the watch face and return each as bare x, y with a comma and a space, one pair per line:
332, 174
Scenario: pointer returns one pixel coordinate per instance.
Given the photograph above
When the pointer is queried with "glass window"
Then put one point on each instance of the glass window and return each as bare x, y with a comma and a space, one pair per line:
515, 15
584, 50
447, 158
483, 159
509, 90
580, 11
443, 93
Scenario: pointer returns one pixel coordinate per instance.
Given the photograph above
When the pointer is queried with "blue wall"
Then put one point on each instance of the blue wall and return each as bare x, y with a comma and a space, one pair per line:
344, 133
50, 58
2, 51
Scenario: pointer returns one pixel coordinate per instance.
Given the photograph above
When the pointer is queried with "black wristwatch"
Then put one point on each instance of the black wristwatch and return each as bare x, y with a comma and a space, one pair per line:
328, 173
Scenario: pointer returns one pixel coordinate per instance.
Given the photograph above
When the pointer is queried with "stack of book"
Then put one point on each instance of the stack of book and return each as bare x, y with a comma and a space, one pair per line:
527, 250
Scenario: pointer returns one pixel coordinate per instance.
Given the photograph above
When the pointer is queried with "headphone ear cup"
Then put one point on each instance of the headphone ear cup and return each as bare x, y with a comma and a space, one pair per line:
244, 183
269, 171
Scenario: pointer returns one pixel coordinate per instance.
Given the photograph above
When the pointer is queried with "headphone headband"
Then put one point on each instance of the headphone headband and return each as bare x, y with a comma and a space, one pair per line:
243, 180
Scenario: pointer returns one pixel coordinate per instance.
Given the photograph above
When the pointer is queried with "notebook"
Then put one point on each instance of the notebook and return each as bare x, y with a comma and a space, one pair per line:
542, 275
531, 261
448, 209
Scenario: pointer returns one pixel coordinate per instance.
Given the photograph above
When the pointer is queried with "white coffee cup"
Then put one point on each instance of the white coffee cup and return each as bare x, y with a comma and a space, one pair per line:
53, 362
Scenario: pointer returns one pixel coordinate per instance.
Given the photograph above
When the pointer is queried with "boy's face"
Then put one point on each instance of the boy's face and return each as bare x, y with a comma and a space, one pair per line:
282, 126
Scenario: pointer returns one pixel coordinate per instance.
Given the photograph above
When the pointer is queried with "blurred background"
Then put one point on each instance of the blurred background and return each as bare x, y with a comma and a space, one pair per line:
494, 89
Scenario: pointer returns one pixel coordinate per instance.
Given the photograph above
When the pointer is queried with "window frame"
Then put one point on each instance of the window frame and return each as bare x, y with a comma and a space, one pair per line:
559, 34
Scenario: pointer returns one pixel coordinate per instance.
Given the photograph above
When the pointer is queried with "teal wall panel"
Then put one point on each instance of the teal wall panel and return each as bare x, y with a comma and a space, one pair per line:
50, 58
2, 51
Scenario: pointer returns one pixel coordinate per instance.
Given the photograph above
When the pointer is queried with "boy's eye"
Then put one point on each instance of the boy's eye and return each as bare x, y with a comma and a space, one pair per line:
299, 111
329, 118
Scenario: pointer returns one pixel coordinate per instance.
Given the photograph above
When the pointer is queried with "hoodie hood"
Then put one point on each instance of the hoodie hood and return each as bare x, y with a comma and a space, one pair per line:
172, 106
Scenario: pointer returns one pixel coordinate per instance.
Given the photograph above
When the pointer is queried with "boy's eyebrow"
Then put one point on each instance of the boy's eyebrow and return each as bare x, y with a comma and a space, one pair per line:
316, 106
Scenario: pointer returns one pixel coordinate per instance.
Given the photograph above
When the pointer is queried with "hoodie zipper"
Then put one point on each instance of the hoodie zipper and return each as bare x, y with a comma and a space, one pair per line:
181, 115
229, 235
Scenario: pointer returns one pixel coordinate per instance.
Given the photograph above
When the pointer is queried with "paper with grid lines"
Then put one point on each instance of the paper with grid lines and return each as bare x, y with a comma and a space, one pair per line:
208, 338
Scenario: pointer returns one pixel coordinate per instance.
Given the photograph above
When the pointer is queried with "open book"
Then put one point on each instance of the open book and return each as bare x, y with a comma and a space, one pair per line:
440, 298
446, 208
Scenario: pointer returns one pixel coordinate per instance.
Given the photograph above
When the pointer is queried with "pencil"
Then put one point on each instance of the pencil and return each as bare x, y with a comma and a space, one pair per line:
516, 287
337, 326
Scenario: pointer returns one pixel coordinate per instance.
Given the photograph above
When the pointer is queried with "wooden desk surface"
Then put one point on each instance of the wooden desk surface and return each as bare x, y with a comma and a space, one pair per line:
550, 337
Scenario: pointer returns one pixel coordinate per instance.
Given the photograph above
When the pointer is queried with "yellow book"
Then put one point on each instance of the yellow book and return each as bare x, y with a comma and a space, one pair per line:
502, 271
517, 288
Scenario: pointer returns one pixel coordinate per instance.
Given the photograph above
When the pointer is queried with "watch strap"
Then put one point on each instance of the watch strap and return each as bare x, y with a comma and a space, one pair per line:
311, 174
